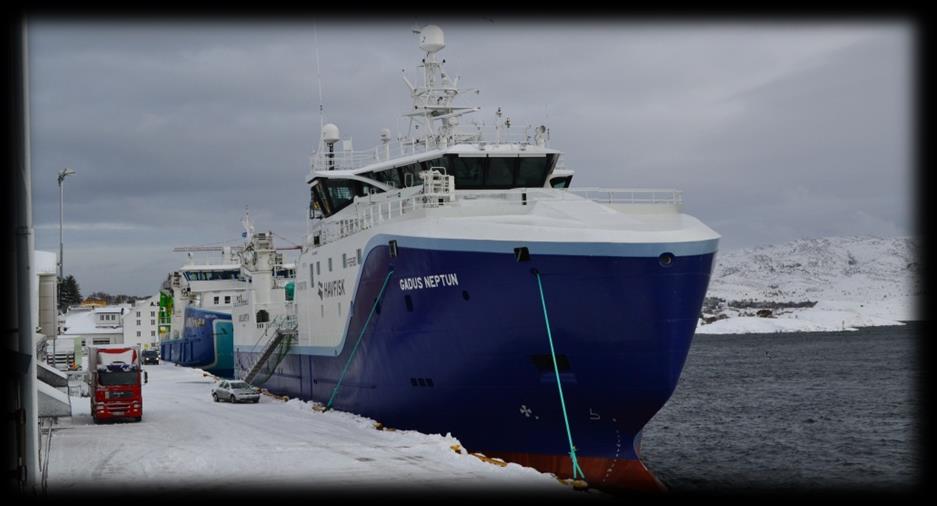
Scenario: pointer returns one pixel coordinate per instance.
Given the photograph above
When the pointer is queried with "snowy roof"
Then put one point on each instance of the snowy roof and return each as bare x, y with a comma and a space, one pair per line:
82, 322
112, 309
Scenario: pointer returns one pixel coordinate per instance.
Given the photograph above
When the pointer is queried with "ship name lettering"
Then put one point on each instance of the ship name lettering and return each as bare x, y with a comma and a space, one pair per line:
429, 281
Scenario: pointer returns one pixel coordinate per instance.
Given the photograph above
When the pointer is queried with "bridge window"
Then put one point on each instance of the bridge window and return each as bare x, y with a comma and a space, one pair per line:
438, 162
341, 193
561, 182
500, 172
532, 171
390, 177
330, 196
410, 174
469, 172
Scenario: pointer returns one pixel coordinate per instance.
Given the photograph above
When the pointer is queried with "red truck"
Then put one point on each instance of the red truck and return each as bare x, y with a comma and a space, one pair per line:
115, 380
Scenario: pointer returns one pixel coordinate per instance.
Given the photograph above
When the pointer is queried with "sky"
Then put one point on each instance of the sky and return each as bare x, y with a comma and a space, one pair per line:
774, 131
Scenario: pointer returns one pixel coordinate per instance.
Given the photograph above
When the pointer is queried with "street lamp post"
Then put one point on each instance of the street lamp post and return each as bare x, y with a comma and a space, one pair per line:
62, 175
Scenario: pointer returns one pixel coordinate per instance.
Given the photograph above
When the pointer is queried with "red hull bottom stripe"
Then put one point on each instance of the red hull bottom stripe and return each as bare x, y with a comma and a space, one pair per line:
601, 473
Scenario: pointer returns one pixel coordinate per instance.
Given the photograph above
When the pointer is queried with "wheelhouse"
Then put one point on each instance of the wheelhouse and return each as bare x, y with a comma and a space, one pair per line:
330, 194
209, 274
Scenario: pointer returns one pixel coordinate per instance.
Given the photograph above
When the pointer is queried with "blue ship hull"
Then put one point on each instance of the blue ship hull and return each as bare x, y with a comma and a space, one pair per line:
473, 359
207, 343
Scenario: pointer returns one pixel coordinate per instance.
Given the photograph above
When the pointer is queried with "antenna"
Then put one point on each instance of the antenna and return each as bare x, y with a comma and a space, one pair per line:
248, 225
315, 35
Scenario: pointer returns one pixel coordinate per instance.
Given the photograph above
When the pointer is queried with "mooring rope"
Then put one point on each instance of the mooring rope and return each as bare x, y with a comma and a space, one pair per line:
360, 335
559, 386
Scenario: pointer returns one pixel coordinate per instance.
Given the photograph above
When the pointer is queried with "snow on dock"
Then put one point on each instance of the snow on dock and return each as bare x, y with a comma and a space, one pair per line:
187, 442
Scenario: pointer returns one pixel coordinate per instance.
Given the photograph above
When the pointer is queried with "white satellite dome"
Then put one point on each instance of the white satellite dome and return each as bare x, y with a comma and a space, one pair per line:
330, 133
431, 39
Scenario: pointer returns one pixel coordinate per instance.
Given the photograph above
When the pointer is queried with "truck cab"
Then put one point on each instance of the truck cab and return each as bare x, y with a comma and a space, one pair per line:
115, 380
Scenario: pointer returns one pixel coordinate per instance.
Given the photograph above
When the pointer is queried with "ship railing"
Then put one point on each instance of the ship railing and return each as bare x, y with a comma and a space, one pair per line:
376, 209
524, 196
344, 159
285, 322
347, 159
490, 134
629, 196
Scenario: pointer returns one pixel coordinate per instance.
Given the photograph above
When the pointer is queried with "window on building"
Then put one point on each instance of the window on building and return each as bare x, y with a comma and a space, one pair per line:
216, 300
227, 299
138, 333
138, 323
152, 333
359, 256
152, 322
330, 264
152, 314
138, 314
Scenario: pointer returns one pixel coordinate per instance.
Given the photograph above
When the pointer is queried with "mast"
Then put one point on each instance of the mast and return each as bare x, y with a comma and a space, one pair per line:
434, 100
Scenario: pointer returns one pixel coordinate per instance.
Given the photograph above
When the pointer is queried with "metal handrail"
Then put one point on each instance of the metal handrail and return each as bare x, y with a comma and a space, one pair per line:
630, 196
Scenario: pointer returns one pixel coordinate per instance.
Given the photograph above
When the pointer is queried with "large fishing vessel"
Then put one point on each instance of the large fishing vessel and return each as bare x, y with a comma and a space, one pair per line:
458, 286
204, 295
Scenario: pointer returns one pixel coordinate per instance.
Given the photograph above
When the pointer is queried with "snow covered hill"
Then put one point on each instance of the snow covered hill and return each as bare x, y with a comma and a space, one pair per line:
831, 283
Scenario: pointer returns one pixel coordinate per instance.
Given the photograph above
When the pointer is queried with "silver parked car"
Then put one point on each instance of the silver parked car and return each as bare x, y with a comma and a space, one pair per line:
235, 391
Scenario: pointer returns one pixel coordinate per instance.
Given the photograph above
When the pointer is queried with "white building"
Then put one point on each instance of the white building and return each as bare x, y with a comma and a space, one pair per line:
87, 326
141, 323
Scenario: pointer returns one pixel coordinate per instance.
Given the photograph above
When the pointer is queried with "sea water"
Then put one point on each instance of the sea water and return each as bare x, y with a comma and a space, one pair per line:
793, 411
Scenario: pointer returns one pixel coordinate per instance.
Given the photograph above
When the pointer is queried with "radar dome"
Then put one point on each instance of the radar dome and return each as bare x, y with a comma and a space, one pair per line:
330, 133
431, 39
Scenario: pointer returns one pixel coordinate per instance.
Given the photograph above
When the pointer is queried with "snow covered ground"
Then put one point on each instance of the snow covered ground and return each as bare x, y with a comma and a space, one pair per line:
187, 442
855, 282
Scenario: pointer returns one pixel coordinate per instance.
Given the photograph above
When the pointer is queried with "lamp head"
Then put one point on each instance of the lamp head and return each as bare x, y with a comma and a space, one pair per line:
65, 172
